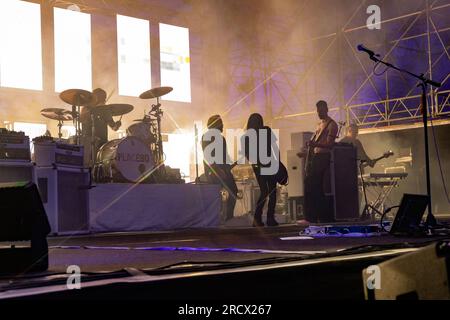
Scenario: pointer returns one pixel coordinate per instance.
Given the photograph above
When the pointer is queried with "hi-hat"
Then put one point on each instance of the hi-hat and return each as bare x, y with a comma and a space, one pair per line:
76, 97
115, 109
57, 114
155, 93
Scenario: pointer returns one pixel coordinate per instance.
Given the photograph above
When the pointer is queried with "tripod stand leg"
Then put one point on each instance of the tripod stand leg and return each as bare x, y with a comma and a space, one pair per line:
365, 215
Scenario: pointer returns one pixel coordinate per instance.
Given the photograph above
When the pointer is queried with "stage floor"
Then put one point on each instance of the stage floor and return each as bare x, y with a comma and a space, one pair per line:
148, 250
108, 259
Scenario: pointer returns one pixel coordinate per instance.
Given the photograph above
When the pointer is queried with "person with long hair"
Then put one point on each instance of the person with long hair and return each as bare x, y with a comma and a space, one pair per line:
267, 182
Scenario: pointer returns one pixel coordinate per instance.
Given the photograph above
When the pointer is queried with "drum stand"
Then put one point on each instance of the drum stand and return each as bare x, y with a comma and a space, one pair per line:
76, 113
93, 155
158, 113
60, 124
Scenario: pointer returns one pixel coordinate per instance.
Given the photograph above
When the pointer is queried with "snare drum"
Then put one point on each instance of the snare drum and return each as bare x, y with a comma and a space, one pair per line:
124, 160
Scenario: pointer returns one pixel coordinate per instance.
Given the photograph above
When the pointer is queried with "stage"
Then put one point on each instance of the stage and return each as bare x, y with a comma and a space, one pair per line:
117, 117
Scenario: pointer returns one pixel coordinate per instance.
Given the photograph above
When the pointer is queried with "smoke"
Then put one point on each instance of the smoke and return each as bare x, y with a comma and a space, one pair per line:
269, 56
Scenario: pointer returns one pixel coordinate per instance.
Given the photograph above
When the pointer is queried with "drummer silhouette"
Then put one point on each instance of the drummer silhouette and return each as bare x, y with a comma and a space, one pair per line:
95, 124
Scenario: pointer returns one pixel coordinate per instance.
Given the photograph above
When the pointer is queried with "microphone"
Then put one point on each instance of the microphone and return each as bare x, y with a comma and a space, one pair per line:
361, 47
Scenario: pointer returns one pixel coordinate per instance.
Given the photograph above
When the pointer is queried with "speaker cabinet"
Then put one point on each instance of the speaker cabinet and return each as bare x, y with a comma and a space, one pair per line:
23, 219
296, 165
296, 172
344, 182
65, 195
299, 140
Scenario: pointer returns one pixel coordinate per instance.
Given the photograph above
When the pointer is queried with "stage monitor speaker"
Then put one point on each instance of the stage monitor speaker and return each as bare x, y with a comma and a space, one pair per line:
344, 182
409, 215
420, 275
23, 218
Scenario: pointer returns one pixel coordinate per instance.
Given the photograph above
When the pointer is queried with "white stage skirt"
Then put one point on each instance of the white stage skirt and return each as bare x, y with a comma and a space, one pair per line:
153, 207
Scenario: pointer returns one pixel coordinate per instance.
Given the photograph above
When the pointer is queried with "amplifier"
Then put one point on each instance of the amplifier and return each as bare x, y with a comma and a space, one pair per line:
16, 171
48, 153
14, 146
65, 195
69, 155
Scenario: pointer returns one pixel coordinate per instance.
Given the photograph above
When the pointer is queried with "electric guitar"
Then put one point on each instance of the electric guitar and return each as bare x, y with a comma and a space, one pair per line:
310, 149
385, 155
221, 172
309, 155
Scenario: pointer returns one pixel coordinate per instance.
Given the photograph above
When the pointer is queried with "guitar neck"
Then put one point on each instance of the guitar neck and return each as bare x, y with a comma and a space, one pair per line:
378, 159
382, 157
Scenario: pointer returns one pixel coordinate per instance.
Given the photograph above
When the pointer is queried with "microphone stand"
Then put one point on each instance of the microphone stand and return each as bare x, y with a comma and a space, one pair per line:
424, 82
197, 180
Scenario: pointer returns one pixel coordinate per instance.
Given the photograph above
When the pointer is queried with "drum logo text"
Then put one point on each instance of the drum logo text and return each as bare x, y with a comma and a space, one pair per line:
132, 157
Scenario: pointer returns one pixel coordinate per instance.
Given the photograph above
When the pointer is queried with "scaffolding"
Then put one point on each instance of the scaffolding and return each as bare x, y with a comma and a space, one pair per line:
281, 83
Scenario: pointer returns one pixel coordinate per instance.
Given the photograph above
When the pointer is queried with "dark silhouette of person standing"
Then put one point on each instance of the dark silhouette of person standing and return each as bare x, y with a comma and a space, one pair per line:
267, 182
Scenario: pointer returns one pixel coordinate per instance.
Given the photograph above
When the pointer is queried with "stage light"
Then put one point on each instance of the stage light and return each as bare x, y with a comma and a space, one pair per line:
74, 7
179, 150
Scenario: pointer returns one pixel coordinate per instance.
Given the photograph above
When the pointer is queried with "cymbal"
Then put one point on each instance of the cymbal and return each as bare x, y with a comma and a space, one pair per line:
144, 120
76, 97
155, 92
57, 114
115, 109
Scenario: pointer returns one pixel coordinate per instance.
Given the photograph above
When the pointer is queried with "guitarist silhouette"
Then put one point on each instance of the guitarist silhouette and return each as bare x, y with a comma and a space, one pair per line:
318, 156
219, 172
352, 138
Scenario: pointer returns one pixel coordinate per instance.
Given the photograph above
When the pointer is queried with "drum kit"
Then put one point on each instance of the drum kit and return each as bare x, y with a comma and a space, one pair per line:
135, 158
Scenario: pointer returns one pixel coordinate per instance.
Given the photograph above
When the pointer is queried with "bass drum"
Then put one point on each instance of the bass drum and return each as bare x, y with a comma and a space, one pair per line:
124, 160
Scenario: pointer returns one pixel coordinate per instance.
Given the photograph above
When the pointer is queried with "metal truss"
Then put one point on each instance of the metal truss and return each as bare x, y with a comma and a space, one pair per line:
280, 79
